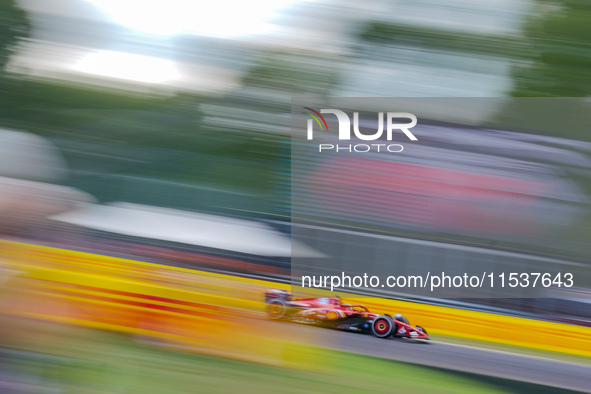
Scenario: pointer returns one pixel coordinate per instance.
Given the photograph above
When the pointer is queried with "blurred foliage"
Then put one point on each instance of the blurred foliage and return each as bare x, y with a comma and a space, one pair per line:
14, 26
89, 115
553, 69
441, 40
295, 73
116, 128
89, 124
118, 133
551, 59
87, 361
77, 112
557, 64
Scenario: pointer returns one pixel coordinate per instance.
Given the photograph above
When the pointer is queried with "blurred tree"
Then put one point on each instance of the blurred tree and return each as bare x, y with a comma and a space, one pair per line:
554, 64
294, 73
559, 57
436, 39
14, 26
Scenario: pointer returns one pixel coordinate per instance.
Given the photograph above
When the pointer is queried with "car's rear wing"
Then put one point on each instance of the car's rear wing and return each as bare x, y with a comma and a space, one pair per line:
277, 294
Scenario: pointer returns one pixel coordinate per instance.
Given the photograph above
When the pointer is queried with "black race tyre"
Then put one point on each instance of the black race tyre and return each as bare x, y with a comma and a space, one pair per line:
382, 327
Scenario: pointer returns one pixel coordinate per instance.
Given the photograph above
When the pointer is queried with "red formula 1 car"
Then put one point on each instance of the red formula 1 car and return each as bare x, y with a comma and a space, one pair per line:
330, 312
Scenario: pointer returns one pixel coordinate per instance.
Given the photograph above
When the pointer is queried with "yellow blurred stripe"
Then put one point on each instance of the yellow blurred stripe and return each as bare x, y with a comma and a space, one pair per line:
247, 295
508, 330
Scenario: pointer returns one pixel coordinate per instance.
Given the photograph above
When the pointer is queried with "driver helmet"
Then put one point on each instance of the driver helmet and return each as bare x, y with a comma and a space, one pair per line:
400, 318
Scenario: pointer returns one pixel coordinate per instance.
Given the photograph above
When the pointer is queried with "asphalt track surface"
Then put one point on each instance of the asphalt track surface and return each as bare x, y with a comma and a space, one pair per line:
561, 374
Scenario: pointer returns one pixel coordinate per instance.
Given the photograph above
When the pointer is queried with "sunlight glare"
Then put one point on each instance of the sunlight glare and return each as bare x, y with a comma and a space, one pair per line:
128, 66
222, 18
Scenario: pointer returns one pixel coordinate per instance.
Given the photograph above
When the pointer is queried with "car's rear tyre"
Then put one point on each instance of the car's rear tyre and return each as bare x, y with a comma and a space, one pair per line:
276, 309
383, 327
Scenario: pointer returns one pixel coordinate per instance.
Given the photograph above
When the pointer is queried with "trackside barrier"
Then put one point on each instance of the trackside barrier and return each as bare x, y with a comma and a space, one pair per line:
489, 327
195, 311
182, 306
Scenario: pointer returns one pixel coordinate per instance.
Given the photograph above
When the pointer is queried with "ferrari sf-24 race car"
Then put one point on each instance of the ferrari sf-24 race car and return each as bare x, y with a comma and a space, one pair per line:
330, 312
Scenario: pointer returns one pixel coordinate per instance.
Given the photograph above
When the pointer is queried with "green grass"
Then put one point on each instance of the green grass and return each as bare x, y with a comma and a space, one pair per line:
99, 362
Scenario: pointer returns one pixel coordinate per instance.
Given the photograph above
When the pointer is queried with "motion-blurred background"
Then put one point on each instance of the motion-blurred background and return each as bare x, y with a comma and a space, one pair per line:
160, 131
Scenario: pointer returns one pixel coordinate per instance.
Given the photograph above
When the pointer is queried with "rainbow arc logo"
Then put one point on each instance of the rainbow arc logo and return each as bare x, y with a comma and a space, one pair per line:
316, 118
344, 130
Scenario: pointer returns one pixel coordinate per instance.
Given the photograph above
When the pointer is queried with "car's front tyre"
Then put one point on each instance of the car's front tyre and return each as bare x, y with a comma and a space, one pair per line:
383, 327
